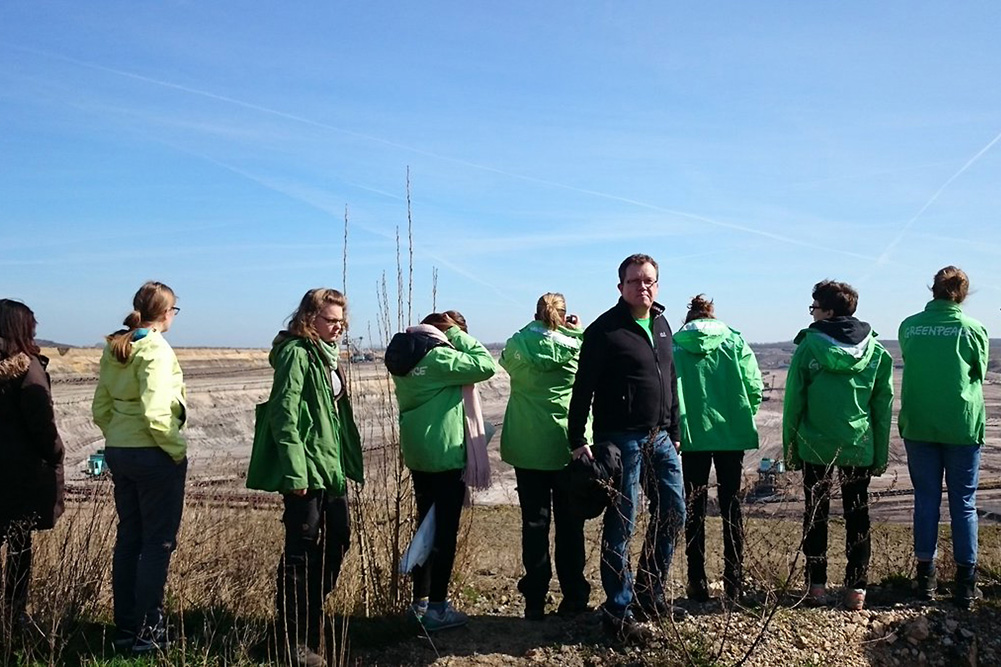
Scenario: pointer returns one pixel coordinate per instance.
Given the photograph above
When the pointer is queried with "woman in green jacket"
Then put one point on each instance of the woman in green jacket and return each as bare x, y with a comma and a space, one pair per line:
719, 386
139, 405
942, 421
836, 417
542, 361
434, 366
306, 447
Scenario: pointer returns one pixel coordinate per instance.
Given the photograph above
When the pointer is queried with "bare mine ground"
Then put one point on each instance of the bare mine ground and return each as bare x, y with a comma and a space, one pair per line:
224, 565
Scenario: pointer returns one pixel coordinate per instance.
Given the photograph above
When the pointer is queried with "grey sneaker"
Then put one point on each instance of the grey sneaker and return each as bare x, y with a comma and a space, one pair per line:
303, 656
444, 619
151, 639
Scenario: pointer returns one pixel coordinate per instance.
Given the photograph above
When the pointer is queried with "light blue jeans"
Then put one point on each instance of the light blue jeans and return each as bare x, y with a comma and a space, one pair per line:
654, 463
926, 462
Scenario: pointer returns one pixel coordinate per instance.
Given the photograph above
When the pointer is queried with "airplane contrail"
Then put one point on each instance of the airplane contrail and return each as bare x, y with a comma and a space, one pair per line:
473, 165
885, 256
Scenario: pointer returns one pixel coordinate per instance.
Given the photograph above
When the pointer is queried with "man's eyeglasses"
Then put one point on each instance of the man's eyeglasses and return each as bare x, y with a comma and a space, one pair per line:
813, 308
175, 310
641, 282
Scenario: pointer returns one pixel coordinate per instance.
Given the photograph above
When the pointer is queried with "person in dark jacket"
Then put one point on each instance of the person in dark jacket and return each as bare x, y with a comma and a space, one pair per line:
31, 481
627, 375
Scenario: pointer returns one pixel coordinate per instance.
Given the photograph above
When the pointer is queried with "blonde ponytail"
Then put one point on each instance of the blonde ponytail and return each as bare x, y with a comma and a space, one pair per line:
551, 310
150, 304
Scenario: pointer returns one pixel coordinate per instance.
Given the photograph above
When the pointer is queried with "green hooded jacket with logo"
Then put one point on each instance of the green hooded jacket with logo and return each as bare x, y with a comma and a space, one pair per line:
838, 399
945, 359
432, 416
542, 363
719, 388
305, 438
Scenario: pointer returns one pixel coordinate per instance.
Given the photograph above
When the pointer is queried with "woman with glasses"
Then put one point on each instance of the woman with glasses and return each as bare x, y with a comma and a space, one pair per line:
31, 480
719, 385
139, 405
306, 447
943, 421
541, 359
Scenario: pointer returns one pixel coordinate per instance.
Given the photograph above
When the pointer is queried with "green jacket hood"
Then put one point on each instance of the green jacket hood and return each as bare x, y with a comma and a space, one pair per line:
702, 336
545, 349
840, 344
541, 363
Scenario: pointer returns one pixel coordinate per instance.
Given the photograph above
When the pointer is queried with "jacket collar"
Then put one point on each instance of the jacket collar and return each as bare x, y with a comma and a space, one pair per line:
943, 304
14, 367
655, 310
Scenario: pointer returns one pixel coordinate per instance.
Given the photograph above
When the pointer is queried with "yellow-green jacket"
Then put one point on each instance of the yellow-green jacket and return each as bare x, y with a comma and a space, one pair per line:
141, 403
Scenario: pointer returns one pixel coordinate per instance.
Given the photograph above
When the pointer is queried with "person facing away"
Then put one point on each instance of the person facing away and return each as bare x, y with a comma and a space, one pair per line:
434, 367
627, 377
942, 421
719, 389
139, 405
836, 416
541, 360
31, 480
306, 447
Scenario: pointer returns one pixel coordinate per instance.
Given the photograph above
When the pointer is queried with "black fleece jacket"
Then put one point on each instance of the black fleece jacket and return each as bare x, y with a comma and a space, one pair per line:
632, 383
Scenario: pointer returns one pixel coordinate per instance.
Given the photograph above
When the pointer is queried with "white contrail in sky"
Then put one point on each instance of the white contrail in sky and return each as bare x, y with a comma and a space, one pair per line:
884, 258
531, 179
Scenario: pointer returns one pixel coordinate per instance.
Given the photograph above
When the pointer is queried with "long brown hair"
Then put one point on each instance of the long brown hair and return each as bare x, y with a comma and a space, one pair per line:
551, 310
952, 284
700, 308
150, 304
17, 328
300, 323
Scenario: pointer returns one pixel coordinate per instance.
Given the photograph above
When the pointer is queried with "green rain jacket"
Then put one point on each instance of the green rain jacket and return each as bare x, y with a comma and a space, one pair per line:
141, 403
305, 437
838, 397
432, 416
945, 359
542, 363
719, 386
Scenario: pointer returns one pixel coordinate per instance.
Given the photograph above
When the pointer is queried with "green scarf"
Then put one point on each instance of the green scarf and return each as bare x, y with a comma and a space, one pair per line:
329, 353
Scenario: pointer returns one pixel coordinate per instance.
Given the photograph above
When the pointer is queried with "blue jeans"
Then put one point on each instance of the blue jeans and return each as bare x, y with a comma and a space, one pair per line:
655, 463
149, 499
926, 461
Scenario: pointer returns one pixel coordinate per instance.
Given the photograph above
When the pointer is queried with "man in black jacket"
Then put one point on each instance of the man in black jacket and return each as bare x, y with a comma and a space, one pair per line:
627, 369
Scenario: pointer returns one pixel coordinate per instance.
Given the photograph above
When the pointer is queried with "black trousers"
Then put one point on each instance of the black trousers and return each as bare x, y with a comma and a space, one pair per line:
540, 498
695, 471
818, 481
317, 534
446, 491
149, 500
16, 568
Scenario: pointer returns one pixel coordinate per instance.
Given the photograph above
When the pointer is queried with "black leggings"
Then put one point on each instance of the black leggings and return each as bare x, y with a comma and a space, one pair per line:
817, 483
446, 491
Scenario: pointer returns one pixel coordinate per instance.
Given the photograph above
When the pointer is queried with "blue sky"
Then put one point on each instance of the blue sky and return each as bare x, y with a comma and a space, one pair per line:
751, 148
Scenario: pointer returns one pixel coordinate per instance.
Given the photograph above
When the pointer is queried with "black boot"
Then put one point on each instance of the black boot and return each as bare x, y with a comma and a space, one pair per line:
966, 586
926, 582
